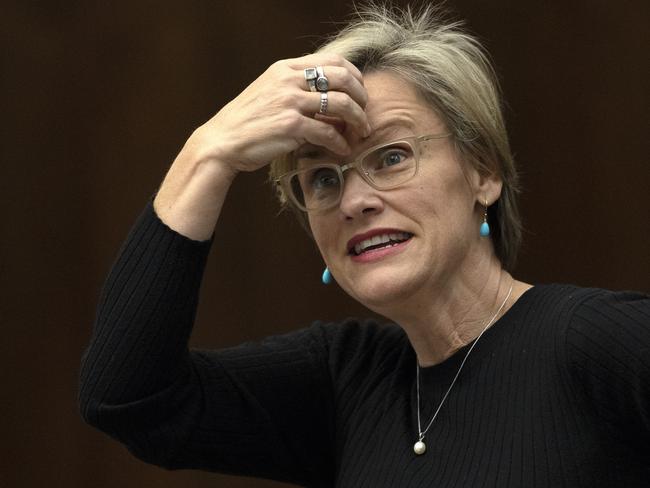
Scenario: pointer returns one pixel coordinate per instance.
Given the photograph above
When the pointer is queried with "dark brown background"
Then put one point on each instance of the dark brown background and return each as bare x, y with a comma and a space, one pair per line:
98, 97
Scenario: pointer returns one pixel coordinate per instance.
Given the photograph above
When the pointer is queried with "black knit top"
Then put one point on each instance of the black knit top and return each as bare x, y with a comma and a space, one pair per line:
555, 394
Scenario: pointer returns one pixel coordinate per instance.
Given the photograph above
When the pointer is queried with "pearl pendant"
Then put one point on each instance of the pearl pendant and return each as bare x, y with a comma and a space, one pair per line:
419, 447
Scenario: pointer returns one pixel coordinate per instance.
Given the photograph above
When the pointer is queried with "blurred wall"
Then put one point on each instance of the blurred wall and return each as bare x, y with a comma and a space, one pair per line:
98, 97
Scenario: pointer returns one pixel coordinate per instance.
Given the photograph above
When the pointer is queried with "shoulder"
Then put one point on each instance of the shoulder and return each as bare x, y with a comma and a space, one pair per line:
610, 331
603, 307
361, 343
601, 316
604, 340
351, 341
606, 349
588, 325
578, 306
587, 311
353, 333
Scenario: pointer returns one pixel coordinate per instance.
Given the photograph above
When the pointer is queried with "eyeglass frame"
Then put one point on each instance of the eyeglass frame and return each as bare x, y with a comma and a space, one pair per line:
413, 141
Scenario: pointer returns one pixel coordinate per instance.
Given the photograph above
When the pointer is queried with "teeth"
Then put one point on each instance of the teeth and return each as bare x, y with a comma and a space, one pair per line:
380, 239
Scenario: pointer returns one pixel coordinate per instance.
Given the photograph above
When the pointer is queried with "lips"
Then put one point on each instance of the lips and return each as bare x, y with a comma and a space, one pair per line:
376, 239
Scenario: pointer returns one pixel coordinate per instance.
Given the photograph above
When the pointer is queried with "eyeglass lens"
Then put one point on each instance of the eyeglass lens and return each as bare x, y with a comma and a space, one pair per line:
319, 186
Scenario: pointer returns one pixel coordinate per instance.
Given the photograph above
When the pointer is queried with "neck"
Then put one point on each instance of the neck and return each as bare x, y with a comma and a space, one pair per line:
454, 313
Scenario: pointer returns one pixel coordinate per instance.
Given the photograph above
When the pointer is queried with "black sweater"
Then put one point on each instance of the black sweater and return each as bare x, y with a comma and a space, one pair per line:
555, 394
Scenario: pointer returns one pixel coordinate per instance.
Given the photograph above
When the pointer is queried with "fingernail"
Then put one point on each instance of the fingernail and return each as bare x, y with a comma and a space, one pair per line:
368, 130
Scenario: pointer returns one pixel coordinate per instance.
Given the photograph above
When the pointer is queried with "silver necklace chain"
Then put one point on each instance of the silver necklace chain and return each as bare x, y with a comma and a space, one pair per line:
420, 447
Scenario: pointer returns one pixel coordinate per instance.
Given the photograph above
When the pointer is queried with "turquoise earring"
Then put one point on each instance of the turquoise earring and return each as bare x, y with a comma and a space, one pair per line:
485, 227
327, 277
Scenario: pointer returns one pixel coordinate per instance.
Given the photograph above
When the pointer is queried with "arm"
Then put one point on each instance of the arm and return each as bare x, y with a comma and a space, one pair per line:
248, 410
139, 382
272, 117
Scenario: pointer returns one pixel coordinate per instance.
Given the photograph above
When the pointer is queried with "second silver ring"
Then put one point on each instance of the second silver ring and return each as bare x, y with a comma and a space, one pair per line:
322, 83
323, 102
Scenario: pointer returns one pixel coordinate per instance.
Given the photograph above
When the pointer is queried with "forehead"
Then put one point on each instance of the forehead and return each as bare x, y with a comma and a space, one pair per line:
394, 103
395, 109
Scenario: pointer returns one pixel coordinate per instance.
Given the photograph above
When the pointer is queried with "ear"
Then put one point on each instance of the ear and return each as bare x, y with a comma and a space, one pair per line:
486, 186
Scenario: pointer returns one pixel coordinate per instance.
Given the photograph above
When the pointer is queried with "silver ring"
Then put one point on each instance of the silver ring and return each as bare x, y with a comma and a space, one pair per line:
322, 83
323, 102
310, 76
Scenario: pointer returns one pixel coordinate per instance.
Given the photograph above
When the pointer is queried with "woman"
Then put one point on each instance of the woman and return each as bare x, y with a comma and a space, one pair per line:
390, 146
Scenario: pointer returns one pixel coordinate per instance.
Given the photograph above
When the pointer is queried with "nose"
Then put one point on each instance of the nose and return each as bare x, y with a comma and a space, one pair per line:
358, 197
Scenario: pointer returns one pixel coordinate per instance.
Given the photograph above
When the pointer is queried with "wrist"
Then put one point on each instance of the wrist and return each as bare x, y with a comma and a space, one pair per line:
211, 154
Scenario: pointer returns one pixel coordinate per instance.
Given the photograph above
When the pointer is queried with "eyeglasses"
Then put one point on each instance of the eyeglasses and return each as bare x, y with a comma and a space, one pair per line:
318, 186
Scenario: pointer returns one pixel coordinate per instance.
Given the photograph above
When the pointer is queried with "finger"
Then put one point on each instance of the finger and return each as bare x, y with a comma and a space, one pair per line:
338, 123
321, 133
340, 104
340, 79
325, 59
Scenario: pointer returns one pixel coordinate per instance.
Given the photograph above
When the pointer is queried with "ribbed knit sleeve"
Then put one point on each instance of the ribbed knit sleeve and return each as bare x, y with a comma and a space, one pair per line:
248, 410
608, 344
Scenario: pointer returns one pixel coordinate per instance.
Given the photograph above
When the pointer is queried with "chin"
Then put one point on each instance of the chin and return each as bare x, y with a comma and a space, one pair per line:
379, 293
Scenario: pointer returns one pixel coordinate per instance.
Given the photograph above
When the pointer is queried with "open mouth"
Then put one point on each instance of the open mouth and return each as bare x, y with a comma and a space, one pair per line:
379, 241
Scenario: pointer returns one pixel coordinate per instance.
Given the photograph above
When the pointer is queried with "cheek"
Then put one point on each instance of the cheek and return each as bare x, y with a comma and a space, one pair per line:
322, 233
445, 202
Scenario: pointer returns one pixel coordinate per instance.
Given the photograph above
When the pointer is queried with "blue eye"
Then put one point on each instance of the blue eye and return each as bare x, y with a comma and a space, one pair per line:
324, 178
392, 157
389, 158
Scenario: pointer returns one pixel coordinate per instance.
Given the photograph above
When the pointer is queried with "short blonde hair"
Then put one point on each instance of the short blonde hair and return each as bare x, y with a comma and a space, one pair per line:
452, 71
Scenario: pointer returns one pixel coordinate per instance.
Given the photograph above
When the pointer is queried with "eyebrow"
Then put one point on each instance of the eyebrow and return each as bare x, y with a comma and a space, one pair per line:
304, 150
389, 127
393, 125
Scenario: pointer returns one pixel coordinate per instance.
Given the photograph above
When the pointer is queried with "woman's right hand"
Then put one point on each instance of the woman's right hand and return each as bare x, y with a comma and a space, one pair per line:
273, 116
